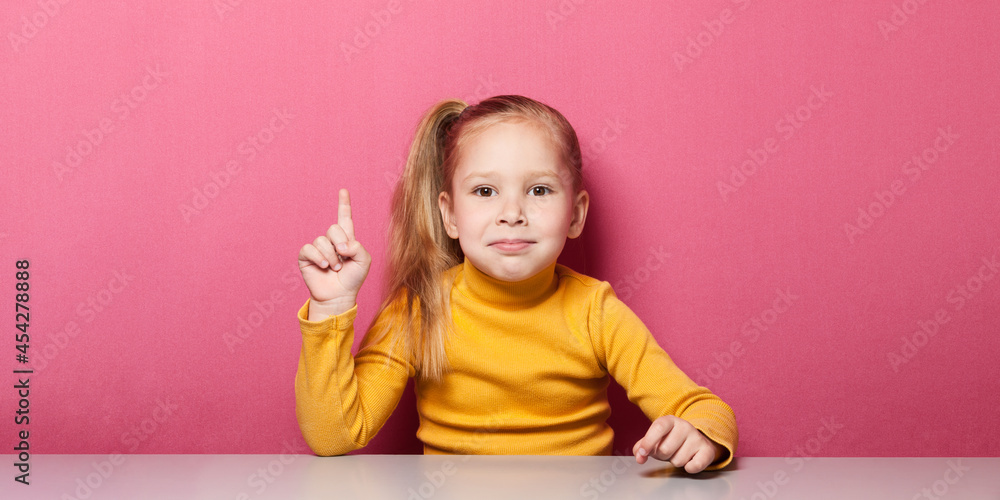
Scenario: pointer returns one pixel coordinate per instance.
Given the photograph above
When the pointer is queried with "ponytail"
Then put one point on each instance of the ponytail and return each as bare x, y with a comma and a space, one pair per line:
420, 250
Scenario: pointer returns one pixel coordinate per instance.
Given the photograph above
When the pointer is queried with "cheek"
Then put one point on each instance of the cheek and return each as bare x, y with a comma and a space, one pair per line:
471, 220
556, 212
549, 218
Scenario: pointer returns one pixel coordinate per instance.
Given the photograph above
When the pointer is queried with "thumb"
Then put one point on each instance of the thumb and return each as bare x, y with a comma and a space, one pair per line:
353, 250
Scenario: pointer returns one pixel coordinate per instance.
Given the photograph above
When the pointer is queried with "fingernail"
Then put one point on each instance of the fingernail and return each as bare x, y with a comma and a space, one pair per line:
324, 264
342, 247
337, 266
642, 451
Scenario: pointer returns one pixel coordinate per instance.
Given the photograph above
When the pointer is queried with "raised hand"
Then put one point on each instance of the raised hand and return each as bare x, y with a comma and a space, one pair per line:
335, 265
673, 439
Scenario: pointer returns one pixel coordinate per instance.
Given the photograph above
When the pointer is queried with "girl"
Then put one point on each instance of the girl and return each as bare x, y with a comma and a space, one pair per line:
511, 351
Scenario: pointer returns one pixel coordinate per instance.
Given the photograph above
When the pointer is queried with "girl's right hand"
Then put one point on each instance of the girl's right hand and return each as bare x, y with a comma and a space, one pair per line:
335, 265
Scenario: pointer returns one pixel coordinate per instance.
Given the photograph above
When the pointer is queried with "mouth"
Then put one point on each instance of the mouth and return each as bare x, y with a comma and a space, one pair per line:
511, 245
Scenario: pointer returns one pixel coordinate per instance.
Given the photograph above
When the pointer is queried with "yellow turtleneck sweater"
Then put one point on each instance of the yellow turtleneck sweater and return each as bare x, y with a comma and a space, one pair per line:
529, 364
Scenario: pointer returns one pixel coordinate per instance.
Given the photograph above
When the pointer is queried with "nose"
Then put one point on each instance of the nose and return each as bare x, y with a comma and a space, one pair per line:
512, 213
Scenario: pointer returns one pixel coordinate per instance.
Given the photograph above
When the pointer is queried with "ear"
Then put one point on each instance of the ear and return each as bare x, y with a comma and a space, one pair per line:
448, 215
580, 205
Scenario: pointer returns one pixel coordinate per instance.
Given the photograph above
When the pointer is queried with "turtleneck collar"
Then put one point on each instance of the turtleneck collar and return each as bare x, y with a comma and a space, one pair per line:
525, 293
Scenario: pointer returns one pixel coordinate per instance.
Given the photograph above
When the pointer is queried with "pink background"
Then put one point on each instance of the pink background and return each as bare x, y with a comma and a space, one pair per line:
196, 351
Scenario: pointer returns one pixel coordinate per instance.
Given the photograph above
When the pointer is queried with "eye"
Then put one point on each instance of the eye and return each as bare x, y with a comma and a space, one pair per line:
484, 191
541, 190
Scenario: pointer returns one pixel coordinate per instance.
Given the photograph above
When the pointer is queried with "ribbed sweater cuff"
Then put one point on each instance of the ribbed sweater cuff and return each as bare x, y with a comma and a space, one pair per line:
717, 421
334, 322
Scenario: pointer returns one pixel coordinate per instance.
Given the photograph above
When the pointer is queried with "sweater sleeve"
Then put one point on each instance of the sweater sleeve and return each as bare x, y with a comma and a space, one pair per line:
630, 354
341, 401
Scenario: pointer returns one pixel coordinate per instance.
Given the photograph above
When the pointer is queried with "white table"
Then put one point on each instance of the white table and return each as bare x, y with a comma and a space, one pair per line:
419, 477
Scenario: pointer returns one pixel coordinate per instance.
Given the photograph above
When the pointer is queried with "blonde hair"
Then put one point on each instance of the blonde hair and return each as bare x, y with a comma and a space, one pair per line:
420, 251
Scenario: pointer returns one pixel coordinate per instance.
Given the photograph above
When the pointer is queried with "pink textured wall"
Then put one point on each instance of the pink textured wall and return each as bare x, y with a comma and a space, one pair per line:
800, 201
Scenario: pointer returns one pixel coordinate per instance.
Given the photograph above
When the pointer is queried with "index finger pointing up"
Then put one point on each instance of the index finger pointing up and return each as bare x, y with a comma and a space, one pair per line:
344, 214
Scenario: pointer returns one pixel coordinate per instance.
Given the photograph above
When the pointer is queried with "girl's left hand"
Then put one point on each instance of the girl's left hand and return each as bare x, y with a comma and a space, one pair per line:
675, 440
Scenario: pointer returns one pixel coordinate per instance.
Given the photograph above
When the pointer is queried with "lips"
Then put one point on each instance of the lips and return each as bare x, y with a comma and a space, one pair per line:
511, 245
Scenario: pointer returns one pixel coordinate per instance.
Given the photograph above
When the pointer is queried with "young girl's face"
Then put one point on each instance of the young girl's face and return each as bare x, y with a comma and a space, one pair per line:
512, 204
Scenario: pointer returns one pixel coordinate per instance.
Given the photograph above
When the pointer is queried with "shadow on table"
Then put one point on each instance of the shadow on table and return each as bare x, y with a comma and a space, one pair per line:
677, 483
671, 471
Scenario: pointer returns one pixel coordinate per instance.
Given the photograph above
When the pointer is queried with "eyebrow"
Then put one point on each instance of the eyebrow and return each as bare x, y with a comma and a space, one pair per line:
531, 175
